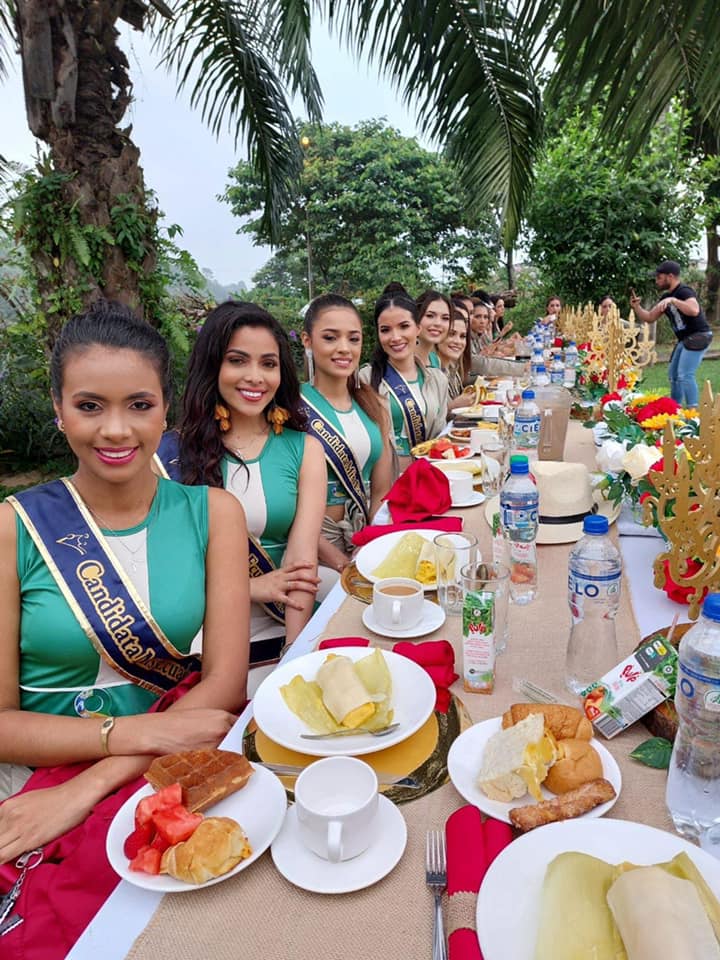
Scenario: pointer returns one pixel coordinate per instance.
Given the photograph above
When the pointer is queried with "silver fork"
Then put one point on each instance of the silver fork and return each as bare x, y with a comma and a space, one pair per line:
436, 879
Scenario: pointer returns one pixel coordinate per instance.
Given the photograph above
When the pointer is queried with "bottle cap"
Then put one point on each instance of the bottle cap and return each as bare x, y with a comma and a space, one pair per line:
528, 394
595, 524
711, 606
519, 465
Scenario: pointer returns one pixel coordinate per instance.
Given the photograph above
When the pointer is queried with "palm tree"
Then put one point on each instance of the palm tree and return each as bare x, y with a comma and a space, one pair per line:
240, 61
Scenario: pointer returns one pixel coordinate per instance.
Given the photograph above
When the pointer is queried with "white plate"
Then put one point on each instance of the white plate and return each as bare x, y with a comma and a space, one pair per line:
432, 618
310, 872
369, 557
508, 906
413, 700
259, 808
474, 501
473, 414
465, 759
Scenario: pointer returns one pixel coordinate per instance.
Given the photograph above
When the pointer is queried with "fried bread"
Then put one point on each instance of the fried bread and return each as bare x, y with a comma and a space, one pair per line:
205, 776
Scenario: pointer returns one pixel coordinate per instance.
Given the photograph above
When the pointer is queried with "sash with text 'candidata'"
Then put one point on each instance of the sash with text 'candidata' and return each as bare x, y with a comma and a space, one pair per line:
338, 454
167, 462
98, 591
414, 420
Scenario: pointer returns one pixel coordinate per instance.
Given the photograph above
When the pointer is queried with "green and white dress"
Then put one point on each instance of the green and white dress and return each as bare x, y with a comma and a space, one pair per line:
430, 390
267, 487
164, 557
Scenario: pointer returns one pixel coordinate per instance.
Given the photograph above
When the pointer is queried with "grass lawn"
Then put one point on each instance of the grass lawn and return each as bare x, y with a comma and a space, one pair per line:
655, 379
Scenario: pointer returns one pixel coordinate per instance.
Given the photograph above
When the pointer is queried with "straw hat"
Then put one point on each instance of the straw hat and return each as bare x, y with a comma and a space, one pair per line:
566, 498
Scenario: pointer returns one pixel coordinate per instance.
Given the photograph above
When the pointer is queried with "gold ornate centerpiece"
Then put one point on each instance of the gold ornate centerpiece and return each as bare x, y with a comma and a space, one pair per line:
686, 506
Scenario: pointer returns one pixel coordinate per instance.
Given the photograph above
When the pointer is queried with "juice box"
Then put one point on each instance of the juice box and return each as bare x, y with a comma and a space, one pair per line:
632, 688
478, 618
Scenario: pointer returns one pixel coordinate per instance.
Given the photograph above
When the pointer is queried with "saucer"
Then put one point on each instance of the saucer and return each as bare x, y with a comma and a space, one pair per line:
433, 616
306, 870
474, 500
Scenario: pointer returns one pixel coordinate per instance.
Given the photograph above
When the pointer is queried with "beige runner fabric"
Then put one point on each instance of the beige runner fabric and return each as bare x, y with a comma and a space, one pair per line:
258, 914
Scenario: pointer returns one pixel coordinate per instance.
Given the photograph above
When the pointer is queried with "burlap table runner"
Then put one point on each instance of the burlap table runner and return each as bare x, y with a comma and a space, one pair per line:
258, 914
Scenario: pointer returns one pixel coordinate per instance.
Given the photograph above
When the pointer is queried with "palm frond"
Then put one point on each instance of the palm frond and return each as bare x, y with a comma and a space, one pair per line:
634, 54
7, 34
236, 57
457, 63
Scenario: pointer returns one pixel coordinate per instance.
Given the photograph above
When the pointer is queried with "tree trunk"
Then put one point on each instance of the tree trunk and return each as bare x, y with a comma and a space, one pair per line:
510, 270
77, 89
712, 275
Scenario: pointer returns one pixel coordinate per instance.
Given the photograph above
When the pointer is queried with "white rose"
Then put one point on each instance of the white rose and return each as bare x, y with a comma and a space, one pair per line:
610, 456
638, 460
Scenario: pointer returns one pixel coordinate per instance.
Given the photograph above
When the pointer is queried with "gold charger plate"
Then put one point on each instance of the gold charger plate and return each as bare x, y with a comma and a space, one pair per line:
422, 756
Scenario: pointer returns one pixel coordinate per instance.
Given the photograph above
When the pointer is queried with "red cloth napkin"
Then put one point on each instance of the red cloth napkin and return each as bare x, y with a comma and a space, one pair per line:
61, 896
343, 642
471, 847
443, 525
422, 491
437, 658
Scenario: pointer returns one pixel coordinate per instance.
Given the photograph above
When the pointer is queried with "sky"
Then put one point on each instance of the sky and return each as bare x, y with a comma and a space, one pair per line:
187, 166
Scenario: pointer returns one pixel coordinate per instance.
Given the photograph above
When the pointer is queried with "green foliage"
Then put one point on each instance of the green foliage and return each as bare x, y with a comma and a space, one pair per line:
597, 226
655, 752
375, 207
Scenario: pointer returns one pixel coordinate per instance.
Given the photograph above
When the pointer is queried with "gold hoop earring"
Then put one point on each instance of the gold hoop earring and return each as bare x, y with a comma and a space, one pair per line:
222, 415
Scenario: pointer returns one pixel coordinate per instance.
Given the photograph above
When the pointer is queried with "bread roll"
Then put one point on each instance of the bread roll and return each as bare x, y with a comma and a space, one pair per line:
217, 846
563, 722
578, 763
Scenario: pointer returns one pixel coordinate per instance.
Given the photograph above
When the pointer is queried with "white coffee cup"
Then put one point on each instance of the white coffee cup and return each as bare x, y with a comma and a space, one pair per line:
480, 438
336, 801
398, 602
461, 485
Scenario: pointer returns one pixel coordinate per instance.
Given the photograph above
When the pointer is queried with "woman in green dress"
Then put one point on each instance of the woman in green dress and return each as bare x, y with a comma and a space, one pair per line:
91, 568
350, 421
243, 428
434, 313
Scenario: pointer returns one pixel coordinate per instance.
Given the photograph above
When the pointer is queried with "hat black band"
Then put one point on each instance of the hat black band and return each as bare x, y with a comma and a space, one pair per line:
575, 518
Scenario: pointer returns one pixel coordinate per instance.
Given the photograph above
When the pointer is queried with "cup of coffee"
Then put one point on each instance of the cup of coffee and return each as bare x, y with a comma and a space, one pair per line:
336, 801
398, 602
461, 485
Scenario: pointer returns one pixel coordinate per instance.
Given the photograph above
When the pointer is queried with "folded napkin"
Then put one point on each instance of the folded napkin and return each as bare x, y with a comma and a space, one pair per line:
471, 847
442, 525
422, 491
437, 658
343, 642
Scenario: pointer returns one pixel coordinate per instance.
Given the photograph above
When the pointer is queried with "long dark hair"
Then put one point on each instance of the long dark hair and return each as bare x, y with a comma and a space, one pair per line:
109, 324
430, 296
379, 359
201, 446
364, 395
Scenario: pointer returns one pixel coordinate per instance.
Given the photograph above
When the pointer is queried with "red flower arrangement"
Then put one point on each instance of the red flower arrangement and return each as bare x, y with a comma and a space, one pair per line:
610, 396
654, 408
676, 591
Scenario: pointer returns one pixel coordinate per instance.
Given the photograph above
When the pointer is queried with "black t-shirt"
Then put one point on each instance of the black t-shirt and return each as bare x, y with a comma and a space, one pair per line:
682, 324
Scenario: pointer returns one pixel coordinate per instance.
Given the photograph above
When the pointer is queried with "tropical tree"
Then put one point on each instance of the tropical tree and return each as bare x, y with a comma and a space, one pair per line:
372, 206
598, 226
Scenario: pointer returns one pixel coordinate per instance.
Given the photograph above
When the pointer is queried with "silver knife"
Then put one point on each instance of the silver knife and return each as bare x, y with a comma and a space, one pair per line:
386, 779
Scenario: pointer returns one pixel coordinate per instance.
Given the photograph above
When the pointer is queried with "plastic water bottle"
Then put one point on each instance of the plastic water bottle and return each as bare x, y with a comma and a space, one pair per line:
537, 360
557, 368
541, 379
526, 428
571, 355
594, 581
519, 521
693, 786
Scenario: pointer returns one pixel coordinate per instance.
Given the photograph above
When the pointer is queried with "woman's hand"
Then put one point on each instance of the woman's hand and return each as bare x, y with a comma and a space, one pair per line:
32, 819
277, 586
192, 728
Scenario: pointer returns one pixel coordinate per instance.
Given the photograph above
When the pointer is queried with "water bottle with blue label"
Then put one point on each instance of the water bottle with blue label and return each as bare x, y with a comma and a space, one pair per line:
519, 523
594, 582
693, 786
526, 427
557, 367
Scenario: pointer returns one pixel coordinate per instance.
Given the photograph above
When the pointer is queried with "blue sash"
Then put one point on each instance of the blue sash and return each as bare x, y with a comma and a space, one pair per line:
167, 462
98, 591
414, 420
338, 454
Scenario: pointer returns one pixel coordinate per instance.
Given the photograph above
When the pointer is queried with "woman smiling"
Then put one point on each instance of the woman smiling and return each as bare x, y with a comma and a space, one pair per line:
434, 312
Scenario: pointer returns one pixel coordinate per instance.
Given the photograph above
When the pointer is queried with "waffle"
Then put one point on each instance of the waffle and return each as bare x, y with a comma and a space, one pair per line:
206, 776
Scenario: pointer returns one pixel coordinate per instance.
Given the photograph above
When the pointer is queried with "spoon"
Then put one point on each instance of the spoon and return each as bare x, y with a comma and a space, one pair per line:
382, 732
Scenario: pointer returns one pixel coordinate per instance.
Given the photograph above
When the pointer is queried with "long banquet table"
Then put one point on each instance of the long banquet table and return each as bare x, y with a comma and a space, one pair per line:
259, 914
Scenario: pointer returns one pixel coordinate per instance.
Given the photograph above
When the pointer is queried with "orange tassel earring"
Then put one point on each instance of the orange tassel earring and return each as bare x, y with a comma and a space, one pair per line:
276, 417
222, 415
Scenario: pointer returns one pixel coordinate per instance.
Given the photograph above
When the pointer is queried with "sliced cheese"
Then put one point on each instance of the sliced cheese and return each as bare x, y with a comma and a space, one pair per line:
507, 768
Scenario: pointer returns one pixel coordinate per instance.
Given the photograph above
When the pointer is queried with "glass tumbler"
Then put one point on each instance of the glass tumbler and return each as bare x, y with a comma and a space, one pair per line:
494, 464
481, 577
453, 551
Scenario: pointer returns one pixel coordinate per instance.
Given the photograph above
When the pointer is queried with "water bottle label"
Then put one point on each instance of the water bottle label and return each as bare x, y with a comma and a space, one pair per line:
519, 517
527, 427
594, 587
691, 684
